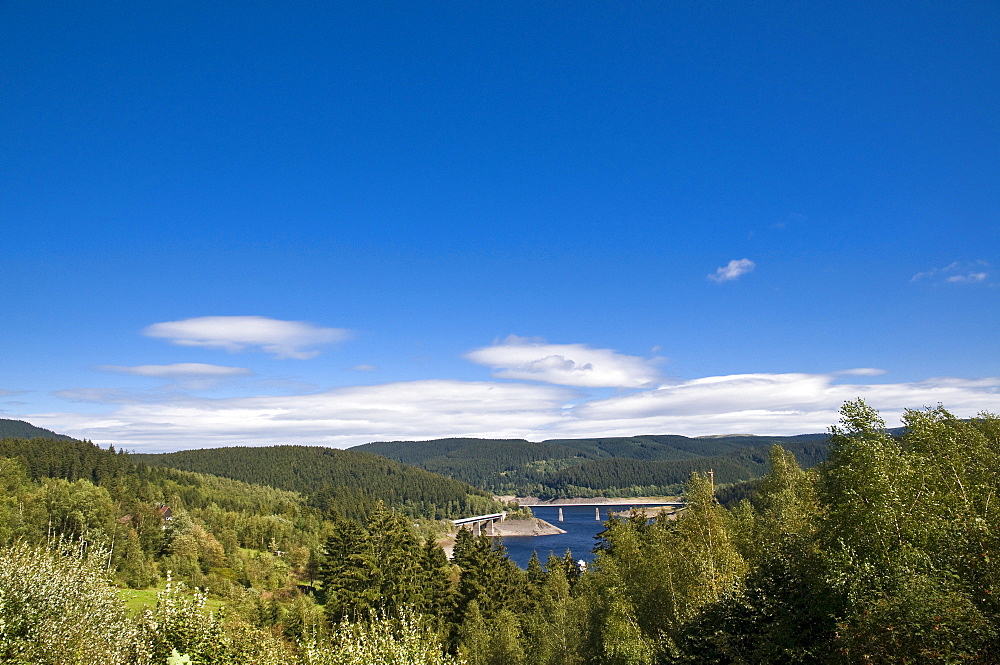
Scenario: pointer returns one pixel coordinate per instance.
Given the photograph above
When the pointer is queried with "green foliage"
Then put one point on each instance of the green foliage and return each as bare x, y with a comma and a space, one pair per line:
72, 488
618, 466
886, 553
382, 640
57, 607
181, 626
883, 556
382, 568
347, 482
488, 577
656, 576
911, 530
553, 627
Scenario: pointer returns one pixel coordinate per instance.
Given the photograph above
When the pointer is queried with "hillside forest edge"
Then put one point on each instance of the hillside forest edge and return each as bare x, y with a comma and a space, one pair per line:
865, 546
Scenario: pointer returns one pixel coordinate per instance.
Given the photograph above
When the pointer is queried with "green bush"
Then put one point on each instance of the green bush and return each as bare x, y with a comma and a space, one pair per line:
58, 607
379, 641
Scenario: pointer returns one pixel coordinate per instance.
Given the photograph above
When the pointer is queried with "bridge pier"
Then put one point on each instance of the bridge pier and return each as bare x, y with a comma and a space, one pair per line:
476, 524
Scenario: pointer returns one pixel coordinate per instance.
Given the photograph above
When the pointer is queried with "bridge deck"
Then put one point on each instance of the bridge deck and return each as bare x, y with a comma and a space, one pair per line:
479, 518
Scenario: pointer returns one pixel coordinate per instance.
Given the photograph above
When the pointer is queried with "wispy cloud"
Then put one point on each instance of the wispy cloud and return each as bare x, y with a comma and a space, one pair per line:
564, 364
282, 339
364, 368
862, 371
957, 272
732, 270
970, 277
741, 403
774, 403
99, 395
178, 370
340, 417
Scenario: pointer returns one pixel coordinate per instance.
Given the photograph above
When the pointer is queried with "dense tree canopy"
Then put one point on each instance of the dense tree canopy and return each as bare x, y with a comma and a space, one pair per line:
617, 466
345, 481
885, 553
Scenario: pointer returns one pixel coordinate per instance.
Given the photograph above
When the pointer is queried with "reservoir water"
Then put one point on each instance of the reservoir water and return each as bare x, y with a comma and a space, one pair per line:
580, 525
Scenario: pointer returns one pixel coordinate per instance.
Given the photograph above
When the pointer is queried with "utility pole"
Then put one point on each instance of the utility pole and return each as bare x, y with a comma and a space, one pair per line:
711, 477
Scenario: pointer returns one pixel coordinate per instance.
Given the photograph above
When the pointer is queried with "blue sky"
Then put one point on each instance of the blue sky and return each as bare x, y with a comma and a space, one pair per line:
255, 223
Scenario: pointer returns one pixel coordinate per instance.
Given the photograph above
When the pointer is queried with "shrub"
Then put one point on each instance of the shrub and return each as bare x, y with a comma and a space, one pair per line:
58, 607
378, 641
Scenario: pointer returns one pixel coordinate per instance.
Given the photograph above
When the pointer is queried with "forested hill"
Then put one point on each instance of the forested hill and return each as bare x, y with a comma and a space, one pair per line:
18, 429
333, 478
620, 466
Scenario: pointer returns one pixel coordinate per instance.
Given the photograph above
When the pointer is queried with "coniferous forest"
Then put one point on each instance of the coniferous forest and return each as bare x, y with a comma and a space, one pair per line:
616, 466
886, 552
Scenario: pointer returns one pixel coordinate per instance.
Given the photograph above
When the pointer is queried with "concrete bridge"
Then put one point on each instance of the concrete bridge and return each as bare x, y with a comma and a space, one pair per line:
475, 524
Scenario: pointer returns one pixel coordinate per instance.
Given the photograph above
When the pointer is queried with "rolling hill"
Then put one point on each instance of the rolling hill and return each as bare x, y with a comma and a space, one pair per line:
332, 478
581, 467
18, 429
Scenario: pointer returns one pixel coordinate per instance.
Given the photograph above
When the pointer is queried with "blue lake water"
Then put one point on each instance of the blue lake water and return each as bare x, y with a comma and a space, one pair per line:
580, 524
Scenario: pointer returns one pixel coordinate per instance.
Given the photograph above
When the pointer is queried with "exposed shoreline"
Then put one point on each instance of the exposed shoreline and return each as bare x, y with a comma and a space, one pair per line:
529, 527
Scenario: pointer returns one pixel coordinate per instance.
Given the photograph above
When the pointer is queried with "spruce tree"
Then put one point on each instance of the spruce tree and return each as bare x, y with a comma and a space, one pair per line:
344, 568
437, 598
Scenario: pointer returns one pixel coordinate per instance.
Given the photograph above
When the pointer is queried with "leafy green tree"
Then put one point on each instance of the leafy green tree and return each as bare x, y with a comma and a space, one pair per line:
135, 567
909, 532
57, 607
783, 611
658, 576
473, 635
507, 644
16, 493
554, 624
77, 509
623, 640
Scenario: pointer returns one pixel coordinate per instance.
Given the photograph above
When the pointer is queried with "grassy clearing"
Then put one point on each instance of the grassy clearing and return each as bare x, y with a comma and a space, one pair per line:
138, 600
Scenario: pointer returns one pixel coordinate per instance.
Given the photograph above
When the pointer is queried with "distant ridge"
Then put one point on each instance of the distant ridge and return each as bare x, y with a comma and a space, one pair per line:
610, 466
18, 429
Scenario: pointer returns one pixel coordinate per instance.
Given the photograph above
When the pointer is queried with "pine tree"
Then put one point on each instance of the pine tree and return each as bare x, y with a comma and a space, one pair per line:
396, 558
535, 580
437, 598
344, 569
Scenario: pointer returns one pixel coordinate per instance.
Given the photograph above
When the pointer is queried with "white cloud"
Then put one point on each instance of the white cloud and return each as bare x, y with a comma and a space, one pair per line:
956, 272
98, 395
777, 403
178, 370
340, 417
564, 364
283, 339
732, 270
741, 403
364, 368
862, 371
971, 277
